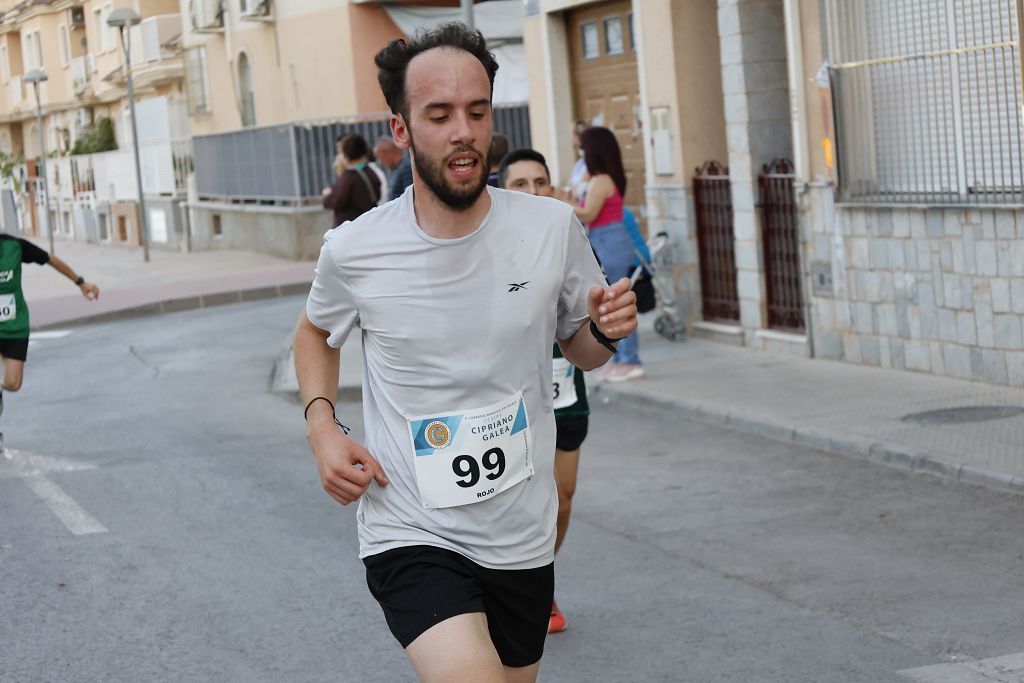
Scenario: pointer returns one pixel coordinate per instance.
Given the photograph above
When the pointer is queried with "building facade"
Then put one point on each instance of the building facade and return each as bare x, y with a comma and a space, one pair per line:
840, 179
92, 195
271, 85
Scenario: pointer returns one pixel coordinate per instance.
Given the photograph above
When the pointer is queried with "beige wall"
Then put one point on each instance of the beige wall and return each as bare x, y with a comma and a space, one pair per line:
698, 84
371, 30
314, 60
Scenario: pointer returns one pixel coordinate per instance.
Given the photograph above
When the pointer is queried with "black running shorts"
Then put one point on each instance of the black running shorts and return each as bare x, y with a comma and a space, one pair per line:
421, 586
570, 431
15, 349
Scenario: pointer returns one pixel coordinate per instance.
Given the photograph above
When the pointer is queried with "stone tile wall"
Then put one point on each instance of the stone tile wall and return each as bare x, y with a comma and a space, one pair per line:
929, 290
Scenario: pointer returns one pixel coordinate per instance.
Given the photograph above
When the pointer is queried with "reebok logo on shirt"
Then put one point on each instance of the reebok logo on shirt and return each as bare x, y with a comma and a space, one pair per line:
515, 287
6, 276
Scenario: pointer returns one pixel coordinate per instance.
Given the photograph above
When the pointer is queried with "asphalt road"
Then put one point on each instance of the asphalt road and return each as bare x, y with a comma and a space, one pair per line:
161, 520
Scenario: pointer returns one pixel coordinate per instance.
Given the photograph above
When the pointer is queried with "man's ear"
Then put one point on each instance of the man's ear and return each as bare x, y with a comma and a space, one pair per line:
400, 132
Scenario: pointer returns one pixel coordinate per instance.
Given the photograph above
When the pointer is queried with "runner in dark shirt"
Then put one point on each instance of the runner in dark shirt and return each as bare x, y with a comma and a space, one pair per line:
14, 324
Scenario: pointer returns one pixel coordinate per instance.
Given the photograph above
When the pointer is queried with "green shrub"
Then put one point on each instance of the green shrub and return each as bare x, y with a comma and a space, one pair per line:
101, 139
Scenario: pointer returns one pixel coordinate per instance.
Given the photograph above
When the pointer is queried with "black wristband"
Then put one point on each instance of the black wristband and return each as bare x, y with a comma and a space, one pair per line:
80, 281
305, 413
602, 339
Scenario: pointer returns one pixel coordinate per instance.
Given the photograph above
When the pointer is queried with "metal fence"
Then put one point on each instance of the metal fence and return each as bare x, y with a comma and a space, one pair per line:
712, 194
291, 163
926, 98
781, 241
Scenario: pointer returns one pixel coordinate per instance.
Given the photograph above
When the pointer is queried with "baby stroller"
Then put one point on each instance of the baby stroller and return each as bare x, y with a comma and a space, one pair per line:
656, 267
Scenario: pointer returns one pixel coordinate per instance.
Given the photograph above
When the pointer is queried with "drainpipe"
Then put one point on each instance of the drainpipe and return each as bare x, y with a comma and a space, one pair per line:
801, 159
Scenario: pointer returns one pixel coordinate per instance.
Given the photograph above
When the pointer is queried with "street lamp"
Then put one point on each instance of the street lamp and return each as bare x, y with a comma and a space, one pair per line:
124, 18
35, 77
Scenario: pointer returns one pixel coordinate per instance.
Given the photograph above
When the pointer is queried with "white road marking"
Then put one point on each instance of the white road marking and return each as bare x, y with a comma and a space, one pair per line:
32, 468
77, 520
49, 334
1005, 669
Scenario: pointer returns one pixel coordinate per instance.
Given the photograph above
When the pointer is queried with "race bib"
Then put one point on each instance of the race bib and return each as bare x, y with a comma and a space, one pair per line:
563, 382
463, 457
8, 308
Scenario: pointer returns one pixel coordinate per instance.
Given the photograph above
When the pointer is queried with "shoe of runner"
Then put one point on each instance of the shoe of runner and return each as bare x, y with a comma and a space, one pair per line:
453, 292
556, 622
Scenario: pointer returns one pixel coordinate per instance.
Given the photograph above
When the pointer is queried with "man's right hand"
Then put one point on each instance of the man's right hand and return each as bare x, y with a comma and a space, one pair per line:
346, 468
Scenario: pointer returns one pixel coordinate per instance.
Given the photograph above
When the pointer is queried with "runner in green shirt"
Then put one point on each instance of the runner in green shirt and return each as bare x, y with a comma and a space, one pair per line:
14, 325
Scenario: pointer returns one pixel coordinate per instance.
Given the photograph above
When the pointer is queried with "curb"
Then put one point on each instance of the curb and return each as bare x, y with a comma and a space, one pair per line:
838, 443
187, 303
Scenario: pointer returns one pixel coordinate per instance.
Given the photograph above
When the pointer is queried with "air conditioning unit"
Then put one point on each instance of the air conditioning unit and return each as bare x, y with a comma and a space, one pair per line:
207, 16
257, 10
76, 17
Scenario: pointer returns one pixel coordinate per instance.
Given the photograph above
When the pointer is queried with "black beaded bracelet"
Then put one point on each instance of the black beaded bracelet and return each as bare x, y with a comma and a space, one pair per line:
602, 339
305, 413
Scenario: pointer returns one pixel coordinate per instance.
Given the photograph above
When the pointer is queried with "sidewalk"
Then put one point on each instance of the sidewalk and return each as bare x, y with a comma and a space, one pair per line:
171, 281
837, 407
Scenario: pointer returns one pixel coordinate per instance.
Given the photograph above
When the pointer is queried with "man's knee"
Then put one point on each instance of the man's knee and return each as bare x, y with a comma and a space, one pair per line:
12, 383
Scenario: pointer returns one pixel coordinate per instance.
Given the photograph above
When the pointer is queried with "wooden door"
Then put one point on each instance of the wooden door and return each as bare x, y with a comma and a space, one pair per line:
606, 87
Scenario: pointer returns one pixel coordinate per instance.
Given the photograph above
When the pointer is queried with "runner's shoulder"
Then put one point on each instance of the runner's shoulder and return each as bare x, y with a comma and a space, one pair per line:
369, 228
544, 212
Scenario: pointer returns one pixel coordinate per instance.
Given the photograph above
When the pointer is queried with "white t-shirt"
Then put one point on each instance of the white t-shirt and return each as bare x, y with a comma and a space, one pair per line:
449, 327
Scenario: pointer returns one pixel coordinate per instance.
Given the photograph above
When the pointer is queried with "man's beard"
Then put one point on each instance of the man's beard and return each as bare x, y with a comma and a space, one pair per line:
432, 173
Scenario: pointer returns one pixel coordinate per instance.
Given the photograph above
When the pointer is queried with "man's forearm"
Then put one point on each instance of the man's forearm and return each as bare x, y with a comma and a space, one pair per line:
316, 366
583, 350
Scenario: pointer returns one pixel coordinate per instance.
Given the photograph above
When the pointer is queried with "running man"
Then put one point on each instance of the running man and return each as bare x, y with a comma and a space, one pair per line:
458, 290
14, 329
526, 170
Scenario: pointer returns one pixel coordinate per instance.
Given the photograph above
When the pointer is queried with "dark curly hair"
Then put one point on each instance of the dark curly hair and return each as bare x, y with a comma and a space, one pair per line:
393, 61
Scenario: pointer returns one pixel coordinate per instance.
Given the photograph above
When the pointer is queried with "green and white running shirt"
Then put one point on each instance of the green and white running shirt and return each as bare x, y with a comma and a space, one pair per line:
457, 399
13, 310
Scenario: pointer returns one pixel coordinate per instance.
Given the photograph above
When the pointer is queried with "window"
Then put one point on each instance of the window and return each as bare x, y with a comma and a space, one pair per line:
613, 44
197, 88
105, 37
591, 45
5, 66
33, 51
65, 45
927, 101
247, 103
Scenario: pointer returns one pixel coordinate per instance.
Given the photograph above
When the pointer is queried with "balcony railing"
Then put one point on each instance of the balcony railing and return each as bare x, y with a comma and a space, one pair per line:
289, 164
150, 36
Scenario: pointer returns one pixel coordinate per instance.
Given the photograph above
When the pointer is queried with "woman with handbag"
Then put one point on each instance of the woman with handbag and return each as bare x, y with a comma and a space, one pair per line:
357, 188
601, 210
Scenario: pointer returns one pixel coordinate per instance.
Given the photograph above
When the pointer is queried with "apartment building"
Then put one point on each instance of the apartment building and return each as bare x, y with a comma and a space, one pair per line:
93, 196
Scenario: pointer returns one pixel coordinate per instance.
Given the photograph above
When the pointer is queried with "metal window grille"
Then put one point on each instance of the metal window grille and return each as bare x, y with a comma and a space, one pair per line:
927, 100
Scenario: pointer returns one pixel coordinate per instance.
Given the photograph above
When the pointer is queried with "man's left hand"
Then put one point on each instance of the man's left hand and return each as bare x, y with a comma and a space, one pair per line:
90, 291
613, 309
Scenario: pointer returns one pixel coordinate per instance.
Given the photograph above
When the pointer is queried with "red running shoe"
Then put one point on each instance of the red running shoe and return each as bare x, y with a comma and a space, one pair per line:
556, 622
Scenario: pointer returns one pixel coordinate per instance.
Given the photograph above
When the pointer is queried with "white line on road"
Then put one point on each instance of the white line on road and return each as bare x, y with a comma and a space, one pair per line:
31, 468
50, 334
1005, 669
78, 521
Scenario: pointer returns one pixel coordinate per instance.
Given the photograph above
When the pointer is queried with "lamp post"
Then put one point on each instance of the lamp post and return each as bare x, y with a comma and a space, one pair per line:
467, 14
35, 77
123, 19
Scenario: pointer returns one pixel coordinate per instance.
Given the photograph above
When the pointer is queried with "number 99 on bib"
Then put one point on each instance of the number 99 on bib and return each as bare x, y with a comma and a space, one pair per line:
467, 456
